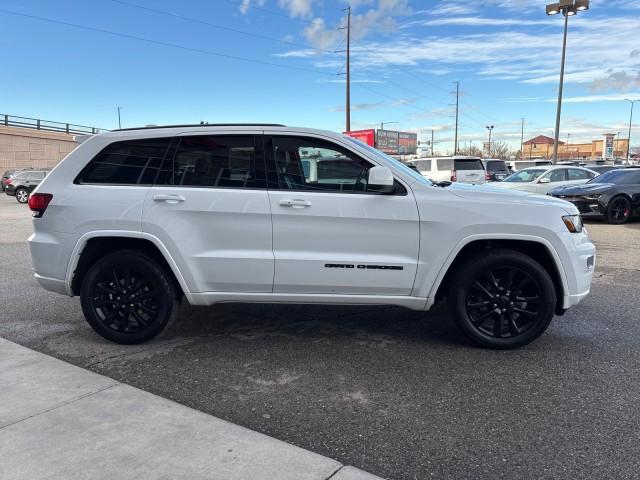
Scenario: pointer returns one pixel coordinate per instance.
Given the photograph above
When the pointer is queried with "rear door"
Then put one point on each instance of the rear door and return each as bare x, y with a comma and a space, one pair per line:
557, 177
211, 210
578, 176
330, 235
469, 170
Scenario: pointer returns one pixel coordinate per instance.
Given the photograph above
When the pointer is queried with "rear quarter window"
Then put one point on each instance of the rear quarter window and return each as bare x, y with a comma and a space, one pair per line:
131, 162
496, 166
470, 164
444, 164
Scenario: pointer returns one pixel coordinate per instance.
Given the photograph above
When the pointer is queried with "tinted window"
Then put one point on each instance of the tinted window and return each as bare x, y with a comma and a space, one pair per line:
496, 166
445, 164
469, 164
38, 175
312, 164
575, 174
131, 162
619, 177
423, 165
227, 161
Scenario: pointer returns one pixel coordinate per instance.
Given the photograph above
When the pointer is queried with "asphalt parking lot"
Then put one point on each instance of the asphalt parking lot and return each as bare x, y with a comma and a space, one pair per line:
394, 392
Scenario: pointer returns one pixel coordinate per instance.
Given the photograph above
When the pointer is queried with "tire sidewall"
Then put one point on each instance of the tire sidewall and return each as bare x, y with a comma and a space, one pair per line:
167, 303
470, 272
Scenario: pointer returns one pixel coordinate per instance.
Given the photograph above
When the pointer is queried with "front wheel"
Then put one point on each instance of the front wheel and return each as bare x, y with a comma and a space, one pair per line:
22, 196
503, 299
128, 297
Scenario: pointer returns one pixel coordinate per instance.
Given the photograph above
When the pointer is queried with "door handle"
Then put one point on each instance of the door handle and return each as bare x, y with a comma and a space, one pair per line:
295, 203
168, 198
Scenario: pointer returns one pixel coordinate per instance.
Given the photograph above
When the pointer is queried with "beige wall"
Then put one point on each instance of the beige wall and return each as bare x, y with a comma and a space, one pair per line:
25, 147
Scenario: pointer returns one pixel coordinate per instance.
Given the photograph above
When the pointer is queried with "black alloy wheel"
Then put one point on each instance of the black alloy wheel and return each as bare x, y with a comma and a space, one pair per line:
128, 298
504, 299
619, 210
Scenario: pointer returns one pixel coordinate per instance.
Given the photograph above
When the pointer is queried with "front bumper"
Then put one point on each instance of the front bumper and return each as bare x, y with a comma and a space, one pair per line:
579, 262
586, 206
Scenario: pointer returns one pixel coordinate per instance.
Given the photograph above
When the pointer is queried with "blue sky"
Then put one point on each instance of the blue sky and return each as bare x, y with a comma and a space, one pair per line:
274, 61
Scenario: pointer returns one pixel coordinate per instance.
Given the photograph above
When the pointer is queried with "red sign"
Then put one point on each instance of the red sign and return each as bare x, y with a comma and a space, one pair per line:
366, 136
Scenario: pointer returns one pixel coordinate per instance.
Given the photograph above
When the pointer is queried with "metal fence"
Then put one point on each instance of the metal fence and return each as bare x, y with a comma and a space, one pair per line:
38, 124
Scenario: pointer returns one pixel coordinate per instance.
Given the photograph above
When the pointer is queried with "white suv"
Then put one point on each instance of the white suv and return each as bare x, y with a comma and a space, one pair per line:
133, 220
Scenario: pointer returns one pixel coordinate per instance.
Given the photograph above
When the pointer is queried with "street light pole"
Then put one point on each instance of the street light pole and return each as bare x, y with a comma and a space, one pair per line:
522, 139
568, 8
632, 102
490, 128
119, 122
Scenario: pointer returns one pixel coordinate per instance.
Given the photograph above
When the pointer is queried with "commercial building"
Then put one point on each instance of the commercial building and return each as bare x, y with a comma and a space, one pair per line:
541, 147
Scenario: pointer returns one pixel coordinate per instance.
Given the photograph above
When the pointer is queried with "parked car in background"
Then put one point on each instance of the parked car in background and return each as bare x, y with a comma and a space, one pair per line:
23, 183
614, 194
8, 174
602, 168
518, 165
496, 169
452, 169
542, 179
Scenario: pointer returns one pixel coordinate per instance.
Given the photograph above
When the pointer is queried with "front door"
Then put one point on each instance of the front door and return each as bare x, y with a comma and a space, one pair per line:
211, 210
331, 236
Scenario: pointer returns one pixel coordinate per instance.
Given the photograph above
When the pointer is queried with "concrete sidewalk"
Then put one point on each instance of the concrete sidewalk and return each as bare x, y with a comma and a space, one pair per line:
58, 421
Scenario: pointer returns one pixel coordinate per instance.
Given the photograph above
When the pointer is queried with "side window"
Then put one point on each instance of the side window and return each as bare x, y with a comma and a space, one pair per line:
575, 174
223, 161
37, 176
132, 162
445, 164
312, 164
424, 165
557, 175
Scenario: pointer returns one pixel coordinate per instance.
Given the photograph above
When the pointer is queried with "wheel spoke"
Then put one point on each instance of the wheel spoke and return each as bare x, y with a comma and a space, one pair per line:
492, 277
525, 312
497, 325
484, 290
106, 289
535, 299
523, 281
513, 327
139, 318
145, 308
483, 303
483, 316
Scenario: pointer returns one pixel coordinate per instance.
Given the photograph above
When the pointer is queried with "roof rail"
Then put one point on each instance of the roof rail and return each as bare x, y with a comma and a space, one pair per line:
202, 125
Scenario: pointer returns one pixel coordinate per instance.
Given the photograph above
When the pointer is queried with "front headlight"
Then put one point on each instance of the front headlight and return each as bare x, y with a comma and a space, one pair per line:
593, 196
573, 223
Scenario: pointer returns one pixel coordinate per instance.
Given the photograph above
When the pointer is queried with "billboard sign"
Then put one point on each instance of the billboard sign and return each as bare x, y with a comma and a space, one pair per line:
407, 143
387, 141
608, 151
366, 136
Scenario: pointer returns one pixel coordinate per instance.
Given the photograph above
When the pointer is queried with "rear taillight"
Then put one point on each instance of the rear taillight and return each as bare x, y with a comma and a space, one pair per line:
8, 181
38, 203
454, 177
487, 176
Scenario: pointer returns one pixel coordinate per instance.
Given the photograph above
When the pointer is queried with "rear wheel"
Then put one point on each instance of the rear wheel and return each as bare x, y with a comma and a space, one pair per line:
22, 195
127, 297
502, 300
619, 210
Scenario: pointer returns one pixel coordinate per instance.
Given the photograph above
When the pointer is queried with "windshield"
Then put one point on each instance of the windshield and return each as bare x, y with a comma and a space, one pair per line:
396, 163
528, 175
618, 177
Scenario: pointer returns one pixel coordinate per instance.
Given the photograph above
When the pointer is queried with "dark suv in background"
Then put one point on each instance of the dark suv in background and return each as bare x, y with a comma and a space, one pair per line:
496, 169
23, 183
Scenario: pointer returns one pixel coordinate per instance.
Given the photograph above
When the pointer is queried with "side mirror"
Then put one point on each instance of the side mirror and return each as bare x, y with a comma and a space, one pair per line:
544, 180
380, 180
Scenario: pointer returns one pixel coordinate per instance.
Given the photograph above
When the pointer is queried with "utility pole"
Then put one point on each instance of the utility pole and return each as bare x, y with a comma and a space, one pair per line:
632, 102
432, 142
522, 139
119, 122
490, 128
455, 142
348, 99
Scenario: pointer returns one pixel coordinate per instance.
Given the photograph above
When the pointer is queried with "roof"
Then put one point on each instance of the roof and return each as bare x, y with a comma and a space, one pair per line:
542, 140
151, 127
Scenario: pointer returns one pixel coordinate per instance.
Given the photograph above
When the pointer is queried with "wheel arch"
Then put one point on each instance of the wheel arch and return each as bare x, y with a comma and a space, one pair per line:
94, 245
537, 248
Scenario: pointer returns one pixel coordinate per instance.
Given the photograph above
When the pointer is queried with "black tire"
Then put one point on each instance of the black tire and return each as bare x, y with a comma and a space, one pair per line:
152, 301
619, 210
22, 195
503, 299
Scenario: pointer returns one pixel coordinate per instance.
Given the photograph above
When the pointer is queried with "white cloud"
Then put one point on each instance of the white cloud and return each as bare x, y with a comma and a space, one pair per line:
621, 81
612, 97
245, 5
481, 21
297, 8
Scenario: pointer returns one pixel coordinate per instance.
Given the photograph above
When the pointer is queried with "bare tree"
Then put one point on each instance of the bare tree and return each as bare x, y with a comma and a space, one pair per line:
471, 151
500, 150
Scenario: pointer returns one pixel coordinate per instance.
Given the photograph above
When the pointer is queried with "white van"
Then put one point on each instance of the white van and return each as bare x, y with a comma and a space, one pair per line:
517, 165
452, 169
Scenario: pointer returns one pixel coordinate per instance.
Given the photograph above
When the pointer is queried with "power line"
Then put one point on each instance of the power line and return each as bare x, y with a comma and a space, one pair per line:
166, 44
220, 27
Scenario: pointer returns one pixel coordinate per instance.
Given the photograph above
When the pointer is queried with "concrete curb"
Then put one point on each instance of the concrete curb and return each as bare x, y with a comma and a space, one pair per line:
61, 421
